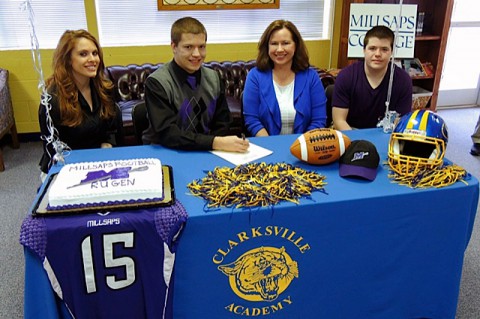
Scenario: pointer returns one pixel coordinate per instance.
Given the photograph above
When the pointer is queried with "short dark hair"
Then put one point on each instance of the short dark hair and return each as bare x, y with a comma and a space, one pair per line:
186, 25
300, 58
380, 32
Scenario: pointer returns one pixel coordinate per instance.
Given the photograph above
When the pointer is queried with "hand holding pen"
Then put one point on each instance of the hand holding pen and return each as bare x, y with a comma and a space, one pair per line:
231, 143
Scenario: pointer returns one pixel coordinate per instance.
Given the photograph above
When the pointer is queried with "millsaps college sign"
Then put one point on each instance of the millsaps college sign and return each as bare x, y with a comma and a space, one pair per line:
364, 16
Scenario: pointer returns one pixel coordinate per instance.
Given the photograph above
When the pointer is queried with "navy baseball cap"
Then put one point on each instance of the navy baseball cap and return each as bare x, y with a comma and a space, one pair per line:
360, 159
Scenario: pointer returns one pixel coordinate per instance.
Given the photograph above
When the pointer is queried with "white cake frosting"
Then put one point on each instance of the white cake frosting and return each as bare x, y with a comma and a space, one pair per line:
107, 183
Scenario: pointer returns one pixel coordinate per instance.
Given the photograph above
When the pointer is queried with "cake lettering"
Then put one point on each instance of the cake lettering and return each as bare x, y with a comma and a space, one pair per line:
113, 183
107, 183
116, 173
107, 165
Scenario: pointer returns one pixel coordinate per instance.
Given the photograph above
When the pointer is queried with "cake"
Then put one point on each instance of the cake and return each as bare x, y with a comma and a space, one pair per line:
106, 184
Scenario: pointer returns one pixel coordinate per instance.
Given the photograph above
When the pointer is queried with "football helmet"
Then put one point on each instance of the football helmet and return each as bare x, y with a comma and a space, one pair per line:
418, 142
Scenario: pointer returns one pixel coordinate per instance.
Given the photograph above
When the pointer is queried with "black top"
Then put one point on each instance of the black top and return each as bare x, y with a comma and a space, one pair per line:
91, 133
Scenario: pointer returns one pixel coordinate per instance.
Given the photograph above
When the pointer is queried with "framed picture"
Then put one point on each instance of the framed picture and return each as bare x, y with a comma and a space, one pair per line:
217, 4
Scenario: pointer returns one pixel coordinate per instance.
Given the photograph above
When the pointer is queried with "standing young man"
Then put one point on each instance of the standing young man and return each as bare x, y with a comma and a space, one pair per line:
185, 101
475, 150
361, 88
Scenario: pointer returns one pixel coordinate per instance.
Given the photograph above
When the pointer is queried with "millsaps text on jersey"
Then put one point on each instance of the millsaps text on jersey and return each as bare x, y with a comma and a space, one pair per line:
103, 222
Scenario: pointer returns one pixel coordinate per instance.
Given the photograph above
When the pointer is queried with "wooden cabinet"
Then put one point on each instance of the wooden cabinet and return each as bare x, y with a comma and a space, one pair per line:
429, 47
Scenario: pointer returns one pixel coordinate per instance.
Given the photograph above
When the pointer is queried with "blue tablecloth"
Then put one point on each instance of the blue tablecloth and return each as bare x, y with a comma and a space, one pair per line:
360, 250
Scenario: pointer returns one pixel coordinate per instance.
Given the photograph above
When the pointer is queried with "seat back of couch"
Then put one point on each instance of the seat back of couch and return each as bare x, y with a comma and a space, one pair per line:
129, 80
233, 74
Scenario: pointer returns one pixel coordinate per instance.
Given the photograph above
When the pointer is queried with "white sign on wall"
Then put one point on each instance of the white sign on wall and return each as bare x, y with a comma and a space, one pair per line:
364, 16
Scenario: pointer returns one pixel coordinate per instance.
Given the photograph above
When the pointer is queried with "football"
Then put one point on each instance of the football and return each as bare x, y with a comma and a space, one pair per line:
320, 146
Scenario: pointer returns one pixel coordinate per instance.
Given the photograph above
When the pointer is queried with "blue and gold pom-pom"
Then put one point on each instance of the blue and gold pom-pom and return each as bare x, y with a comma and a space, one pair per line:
256, 184
437, 177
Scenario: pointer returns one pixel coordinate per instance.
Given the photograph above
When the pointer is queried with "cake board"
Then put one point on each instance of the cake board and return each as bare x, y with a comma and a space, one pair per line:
40, 207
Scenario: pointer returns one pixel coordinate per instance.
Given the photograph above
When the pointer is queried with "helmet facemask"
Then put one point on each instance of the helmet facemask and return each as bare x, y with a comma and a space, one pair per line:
410, 154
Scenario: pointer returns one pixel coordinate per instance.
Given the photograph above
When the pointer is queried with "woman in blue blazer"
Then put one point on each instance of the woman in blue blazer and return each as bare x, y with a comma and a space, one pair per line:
282, 94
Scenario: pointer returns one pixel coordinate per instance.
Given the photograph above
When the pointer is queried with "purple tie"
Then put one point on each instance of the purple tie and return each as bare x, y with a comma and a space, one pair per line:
192, 80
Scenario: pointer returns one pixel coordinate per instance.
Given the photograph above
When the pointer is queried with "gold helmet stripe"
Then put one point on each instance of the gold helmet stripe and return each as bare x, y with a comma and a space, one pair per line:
422, 126
411, 123
423, 121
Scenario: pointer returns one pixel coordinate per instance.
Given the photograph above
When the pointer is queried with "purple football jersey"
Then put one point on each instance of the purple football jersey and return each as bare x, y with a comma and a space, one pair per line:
113, 265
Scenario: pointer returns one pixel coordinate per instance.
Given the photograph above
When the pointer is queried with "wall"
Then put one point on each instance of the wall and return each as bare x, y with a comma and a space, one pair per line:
23, 79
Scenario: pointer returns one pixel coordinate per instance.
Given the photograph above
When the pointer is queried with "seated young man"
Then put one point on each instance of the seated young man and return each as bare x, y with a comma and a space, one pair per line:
361, 88
185, 101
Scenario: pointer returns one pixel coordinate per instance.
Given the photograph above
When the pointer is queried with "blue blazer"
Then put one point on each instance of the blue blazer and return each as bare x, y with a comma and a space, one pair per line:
261, 109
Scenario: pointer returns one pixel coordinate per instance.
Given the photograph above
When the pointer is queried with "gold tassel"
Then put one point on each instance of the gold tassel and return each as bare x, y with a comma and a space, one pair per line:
434, 177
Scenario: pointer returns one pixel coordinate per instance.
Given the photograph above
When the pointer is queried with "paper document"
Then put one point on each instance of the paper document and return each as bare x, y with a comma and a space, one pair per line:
254, 152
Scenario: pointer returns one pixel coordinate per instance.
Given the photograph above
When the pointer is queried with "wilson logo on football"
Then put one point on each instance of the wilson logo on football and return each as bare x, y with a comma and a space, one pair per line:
320, 146
323, 148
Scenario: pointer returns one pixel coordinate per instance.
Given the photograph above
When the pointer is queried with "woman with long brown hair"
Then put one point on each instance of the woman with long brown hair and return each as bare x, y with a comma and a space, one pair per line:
82, 109
283, 94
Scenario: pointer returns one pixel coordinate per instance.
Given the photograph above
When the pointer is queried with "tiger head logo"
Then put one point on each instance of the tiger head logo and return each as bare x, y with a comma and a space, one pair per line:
261, 274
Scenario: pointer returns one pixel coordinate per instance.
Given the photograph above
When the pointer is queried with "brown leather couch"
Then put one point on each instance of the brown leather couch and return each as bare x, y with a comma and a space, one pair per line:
129, 82
7, 120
